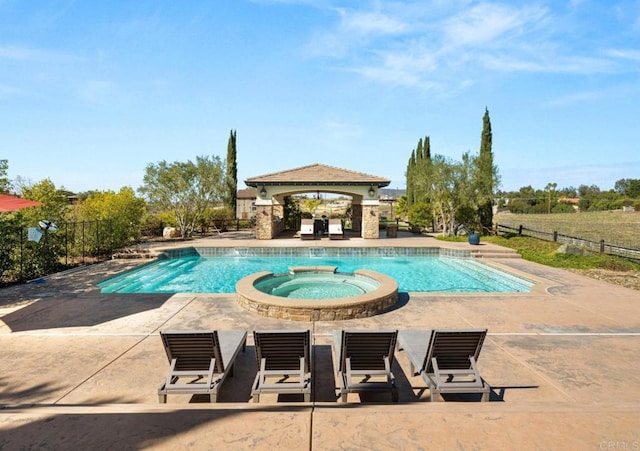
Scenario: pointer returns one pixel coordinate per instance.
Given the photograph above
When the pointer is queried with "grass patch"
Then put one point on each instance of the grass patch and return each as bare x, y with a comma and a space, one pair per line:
545, 253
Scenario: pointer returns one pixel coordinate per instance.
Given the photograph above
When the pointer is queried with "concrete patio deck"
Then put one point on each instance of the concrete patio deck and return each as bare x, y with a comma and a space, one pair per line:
80, 369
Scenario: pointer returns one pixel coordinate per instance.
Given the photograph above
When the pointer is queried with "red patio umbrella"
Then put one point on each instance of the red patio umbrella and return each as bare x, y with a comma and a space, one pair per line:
13, 203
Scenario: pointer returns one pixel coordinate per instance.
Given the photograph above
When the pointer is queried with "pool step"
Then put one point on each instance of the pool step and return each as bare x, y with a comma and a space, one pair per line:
495, 253
131, 282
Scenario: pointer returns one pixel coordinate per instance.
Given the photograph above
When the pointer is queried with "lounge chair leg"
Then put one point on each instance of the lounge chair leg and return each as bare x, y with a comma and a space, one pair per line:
343, 396
485, 396
256, 397
394, 394
162, 399
213, 397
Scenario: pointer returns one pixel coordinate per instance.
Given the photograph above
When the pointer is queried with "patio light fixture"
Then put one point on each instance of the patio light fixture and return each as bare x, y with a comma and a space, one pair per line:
263, 191
372, 191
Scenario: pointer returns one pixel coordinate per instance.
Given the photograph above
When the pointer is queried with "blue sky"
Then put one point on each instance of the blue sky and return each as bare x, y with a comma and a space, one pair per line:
92, 92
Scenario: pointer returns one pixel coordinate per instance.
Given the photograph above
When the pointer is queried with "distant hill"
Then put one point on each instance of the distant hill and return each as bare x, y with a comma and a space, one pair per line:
393, 193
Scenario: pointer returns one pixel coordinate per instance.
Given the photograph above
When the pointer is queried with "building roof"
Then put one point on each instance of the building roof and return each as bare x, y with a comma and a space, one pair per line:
249, 193
317, 174
13, 203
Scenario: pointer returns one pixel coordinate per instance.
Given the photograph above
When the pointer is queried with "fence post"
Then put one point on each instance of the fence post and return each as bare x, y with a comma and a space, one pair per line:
520, 230
602, 246
555, 236
21, 252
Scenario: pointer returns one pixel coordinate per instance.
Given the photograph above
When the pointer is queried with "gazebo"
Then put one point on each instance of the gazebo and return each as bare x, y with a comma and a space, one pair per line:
272, 189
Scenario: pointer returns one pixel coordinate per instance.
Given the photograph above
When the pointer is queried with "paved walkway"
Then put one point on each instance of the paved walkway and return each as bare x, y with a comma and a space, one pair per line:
80, 369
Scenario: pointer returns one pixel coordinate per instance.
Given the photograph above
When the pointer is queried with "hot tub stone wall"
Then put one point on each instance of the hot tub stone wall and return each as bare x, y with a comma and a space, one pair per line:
360, 306
332, 313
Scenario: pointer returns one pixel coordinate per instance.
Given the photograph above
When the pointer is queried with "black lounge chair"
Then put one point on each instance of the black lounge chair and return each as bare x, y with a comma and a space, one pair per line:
200, 360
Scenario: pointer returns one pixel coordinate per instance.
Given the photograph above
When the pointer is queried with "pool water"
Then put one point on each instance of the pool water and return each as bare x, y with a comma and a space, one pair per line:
316, 285
195, 274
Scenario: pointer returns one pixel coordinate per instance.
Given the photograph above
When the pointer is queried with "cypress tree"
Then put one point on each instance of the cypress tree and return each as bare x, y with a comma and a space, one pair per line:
411, 165
426, 168
427, 148
486, 175
418, 190
231, 174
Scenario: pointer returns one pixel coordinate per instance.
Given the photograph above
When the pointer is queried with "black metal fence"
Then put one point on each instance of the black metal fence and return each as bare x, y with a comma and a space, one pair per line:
601, 246
29, 252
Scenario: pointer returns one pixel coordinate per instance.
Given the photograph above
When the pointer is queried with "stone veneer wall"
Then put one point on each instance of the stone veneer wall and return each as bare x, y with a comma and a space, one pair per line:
267, 226
331, 309
334, 313
263, 222
370, 222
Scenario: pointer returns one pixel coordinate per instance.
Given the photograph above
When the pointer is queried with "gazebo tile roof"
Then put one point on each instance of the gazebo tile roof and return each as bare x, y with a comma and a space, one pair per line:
317, 174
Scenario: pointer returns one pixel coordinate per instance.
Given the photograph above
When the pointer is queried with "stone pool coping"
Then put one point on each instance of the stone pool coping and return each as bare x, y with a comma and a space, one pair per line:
359, 306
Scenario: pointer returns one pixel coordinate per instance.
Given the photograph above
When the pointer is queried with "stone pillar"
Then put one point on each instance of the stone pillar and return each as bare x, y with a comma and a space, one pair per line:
370, 222
264, 223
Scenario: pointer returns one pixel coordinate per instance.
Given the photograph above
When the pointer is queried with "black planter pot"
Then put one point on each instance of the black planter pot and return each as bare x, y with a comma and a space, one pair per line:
474, 238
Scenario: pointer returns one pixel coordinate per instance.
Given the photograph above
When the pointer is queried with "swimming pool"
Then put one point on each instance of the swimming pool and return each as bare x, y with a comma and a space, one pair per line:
214, 270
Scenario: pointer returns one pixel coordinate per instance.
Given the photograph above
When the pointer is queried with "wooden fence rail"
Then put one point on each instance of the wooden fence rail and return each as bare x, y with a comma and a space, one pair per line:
600, 247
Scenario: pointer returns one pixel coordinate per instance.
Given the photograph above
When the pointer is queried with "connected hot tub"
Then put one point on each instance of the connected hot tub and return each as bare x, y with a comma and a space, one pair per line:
317, 293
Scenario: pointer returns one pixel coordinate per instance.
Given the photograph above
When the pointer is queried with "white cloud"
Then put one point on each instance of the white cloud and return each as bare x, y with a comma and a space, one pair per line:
633, 55
97, 91
578, 97
436, 46
341, 129
547, 64
7, 91
484, 23
21, 53
366, 23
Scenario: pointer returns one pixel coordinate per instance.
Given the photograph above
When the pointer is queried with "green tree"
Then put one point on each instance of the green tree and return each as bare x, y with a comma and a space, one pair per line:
585, 190
622, 185
485, 175
292, 212
410, 176
185, 188
45, 256
5, 183
55, 200
309, 205
633, 190
123, 211
231, 180
419, 214
420, 186
10, 232
400, 208
550, 189
452, 190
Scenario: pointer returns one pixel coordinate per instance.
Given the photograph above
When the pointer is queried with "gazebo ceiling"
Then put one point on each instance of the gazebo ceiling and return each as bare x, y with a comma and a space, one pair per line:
317, 175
